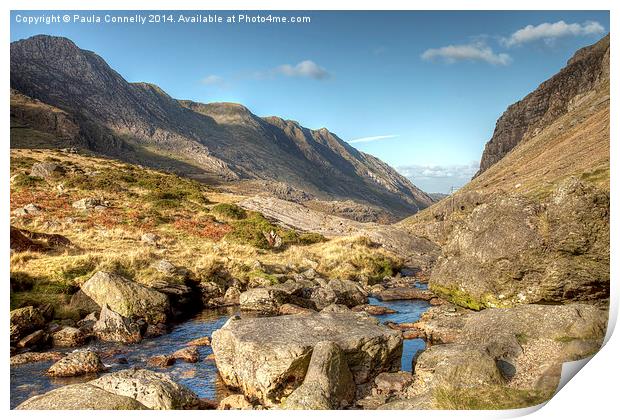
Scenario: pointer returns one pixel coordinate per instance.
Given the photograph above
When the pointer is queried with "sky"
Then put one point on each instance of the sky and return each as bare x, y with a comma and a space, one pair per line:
420, 90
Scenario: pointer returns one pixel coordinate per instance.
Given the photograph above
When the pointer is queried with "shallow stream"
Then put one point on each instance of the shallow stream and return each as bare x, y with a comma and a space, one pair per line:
202, 378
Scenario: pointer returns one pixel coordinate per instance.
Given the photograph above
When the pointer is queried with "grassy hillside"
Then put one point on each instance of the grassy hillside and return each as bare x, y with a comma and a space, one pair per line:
200, 229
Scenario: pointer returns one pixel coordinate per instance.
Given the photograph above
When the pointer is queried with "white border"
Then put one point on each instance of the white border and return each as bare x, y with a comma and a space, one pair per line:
592, 395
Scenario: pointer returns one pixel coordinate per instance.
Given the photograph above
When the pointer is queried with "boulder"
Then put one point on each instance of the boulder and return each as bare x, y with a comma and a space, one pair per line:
161, 361
328, 384
266, 300
33, 357
150, 238
235, 402
156, 391
404, 293
387, 383
347, 293
87, 323
373, 309
77, 363
292, 309
89, 203
24, 321
457, 366
202, 341
267, 358
187, 354
322, 297
34, 339
47, 170
128, 298
156, 330
112, 326
80, 397
82, 303
68, 337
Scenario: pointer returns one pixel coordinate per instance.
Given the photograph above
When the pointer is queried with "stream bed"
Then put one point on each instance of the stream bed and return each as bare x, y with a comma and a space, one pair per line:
29, 379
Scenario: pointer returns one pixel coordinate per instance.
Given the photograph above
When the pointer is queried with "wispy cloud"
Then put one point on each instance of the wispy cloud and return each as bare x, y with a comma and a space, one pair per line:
548, 32
475, 51
212, 79
372, 138
306, 68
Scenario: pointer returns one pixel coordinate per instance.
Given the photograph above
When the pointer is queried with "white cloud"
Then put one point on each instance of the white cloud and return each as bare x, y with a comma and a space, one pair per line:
476, 51
548, 32
439, 171
212, 80
306, 68
373, 138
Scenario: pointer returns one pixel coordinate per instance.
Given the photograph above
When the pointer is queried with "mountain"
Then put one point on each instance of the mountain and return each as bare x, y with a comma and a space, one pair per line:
552, 99
221, 142
533, 227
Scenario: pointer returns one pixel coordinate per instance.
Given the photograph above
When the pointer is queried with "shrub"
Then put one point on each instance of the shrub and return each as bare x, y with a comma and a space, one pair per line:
229, 211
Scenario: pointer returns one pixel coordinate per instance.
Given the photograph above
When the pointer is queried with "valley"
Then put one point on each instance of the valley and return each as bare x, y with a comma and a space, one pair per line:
168, 254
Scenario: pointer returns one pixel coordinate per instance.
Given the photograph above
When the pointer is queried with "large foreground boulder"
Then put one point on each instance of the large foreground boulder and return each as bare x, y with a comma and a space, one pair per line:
156, 391
328, 384
80, 397
126, 297
267, 358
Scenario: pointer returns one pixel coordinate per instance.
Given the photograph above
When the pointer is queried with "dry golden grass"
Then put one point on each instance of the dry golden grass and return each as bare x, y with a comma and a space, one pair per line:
192, 236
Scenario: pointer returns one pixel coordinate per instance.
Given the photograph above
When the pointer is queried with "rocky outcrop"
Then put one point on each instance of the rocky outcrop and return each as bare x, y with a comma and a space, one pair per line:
328, 384
80, 397
268, 358
513, 250
156, 391
552, 99
126, 297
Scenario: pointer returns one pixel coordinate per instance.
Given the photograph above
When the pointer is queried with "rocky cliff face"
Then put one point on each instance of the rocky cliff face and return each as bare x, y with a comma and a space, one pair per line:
533, 227
552, 99
220, 140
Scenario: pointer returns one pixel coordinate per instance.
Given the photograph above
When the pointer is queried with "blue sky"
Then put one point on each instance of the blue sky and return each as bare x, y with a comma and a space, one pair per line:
420, 90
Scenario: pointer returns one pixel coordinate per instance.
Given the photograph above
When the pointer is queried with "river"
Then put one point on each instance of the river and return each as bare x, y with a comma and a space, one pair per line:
202, 378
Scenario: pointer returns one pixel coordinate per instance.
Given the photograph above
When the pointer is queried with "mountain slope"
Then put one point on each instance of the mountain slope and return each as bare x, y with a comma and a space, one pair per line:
222, 140
533, 227
552, 99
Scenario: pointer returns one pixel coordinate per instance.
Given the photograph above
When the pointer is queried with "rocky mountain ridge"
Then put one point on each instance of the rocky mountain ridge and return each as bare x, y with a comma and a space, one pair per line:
221, 141
583, 74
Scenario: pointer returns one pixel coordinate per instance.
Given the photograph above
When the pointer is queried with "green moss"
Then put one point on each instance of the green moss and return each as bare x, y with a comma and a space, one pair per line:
250, 231
254, 274
229, 211
464, 299
375, 266
522, 338
488, 398
457, 297
26, 181
597, 176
